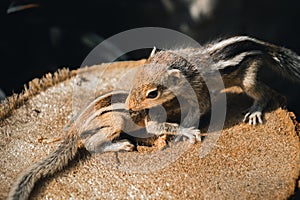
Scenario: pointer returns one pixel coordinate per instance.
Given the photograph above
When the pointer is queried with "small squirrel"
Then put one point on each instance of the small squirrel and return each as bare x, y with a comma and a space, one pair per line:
238, 60
94, 128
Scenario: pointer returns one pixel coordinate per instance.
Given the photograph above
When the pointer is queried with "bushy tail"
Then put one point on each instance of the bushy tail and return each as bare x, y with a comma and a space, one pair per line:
232, 51
288, 62
21, 189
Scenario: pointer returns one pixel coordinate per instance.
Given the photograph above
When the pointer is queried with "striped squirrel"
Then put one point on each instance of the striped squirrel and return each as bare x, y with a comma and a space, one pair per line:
93, 129
239, 60
97, 128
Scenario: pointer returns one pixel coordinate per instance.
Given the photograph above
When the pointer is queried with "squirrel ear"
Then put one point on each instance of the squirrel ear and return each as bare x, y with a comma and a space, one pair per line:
152, 52
174, 76
174, 73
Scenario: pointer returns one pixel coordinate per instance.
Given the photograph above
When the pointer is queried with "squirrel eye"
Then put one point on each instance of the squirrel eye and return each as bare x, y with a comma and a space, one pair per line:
152, 94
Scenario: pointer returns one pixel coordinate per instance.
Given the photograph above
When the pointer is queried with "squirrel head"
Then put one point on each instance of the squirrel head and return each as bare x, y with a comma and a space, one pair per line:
156, 82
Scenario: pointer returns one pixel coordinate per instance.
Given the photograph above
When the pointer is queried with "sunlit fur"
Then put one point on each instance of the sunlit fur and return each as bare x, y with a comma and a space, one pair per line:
152, 77
156, 74
107, 118
237, 59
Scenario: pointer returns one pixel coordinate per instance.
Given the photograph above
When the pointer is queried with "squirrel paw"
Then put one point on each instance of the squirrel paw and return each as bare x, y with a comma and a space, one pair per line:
120, 145
124, 145
253, 117
193, 134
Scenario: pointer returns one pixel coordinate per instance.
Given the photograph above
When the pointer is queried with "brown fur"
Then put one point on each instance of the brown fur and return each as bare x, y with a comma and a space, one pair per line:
80, 134
237, 60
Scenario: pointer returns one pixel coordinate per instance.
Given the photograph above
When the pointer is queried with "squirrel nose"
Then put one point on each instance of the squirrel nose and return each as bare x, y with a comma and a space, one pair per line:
130, 106
132, 103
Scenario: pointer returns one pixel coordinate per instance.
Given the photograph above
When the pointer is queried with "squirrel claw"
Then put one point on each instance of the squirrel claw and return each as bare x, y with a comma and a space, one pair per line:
125, 145
253, 117
191, 133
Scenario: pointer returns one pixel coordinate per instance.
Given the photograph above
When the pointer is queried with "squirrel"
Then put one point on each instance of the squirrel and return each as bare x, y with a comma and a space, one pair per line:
238, 60
159, 83
95, 128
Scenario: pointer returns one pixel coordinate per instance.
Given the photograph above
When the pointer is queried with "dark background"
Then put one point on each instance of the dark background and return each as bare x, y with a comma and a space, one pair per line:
52, 34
